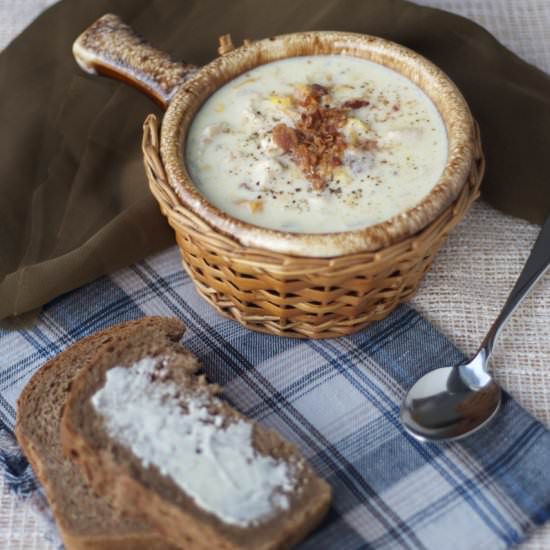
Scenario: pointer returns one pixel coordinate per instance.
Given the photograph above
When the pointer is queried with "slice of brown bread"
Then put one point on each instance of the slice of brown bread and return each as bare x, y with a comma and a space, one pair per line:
85, 521
150, 381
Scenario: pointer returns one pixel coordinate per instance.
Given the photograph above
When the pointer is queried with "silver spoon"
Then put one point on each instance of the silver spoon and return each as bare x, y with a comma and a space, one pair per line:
453, 402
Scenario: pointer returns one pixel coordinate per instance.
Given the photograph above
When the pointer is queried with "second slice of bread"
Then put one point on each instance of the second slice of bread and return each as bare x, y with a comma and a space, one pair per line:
134, 382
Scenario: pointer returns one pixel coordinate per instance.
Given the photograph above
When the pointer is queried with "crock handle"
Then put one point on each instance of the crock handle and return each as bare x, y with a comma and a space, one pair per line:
110, 47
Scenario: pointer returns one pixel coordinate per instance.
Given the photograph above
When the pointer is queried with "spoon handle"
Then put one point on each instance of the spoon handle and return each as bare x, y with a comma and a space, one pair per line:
535, 267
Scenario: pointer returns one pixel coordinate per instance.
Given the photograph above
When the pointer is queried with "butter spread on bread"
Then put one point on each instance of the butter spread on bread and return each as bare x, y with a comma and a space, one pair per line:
181, 430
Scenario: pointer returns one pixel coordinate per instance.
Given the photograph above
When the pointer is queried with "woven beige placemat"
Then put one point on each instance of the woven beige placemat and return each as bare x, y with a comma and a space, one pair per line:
471, 276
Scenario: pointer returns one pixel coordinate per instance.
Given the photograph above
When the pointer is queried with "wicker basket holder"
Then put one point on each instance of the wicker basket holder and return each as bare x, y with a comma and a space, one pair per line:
299, 296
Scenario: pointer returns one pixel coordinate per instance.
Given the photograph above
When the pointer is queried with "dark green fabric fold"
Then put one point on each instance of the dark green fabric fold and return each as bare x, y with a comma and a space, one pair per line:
74, 202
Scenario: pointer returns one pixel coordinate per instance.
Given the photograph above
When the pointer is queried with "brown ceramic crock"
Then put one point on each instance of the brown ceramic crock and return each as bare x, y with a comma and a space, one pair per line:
295, 284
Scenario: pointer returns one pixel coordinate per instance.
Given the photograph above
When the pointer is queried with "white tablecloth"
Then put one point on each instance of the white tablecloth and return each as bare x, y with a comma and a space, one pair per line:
470, 278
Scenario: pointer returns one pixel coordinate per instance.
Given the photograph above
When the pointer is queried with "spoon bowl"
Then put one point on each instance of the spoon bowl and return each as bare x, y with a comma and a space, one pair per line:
441, 406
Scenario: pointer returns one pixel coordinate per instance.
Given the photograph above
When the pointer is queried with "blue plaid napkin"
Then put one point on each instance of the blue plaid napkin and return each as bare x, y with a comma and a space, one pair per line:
338, 400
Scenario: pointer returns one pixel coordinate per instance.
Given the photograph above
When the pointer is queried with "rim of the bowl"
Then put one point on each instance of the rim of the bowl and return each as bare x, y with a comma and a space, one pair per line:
430, 78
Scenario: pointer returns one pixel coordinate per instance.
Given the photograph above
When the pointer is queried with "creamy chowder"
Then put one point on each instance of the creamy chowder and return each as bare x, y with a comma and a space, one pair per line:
317, 144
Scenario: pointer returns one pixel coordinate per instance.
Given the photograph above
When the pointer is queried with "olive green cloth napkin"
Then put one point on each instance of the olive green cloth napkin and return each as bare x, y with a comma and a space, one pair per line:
74, 202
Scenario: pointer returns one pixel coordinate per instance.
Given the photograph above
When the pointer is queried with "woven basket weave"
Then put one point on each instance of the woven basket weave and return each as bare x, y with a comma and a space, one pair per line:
297, 296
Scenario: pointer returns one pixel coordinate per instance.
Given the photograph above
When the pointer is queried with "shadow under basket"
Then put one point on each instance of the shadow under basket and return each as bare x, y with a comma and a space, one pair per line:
298, 296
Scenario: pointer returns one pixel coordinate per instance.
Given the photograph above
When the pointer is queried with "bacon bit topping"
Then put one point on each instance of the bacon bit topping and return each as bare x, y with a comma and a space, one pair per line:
356, 103
309, 93
285, 137
316, 144
318, 91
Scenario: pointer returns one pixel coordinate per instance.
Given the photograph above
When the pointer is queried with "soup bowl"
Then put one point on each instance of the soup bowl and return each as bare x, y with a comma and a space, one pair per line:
314, 285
